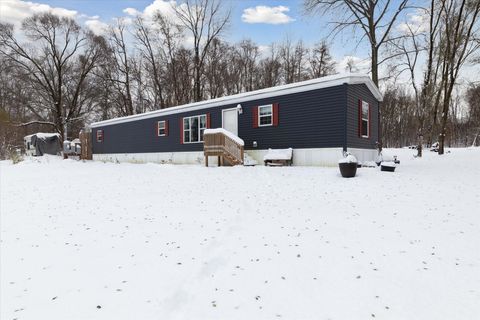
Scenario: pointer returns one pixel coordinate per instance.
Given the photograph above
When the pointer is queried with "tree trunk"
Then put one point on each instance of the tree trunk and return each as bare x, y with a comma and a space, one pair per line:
375, 64
443, 127
196, 85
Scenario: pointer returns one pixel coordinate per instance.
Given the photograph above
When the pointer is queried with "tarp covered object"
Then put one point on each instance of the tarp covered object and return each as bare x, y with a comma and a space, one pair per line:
46, 143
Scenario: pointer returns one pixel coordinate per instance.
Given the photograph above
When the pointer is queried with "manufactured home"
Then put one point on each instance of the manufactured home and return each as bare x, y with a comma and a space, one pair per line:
319, 119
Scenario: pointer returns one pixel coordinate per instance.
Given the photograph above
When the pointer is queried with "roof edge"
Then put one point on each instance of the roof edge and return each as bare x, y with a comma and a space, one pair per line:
313, 84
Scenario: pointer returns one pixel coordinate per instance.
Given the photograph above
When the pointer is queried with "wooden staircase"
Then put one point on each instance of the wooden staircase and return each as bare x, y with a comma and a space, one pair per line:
224, 147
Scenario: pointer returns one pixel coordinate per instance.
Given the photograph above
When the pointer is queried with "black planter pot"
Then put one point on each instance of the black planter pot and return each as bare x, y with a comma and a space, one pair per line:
348, 169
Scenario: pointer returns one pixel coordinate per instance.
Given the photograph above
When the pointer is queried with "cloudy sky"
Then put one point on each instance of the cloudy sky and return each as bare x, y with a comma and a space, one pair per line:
263, 21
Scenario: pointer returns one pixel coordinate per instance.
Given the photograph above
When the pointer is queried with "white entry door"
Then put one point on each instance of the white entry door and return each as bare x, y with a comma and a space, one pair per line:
230, 120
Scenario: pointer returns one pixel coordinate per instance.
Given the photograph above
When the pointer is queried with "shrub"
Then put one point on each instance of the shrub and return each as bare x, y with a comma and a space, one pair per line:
14, 155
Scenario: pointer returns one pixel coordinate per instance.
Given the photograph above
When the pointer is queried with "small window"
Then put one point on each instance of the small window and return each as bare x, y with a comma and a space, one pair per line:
365, 119
193, 128
161, 131
265, 115
99, 135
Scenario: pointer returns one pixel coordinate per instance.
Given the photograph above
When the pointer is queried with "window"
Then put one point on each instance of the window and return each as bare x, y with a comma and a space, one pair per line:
365, 120
99, 135
193, 128
161, 129
265, 115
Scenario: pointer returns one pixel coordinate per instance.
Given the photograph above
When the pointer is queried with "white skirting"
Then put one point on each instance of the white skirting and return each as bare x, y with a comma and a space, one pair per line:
195, 157
306, 157
363, 155
301, 157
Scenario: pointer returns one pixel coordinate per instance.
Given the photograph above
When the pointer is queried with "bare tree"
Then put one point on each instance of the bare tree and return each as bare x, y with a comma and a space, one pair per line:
56, 65
205, 20
376, 20
270, 69
397, 117
216, 69
120, 69
248, 54
321, 61
293, 59
351, 65
152, 53
473, 100
172, 36
410, 47
461, 27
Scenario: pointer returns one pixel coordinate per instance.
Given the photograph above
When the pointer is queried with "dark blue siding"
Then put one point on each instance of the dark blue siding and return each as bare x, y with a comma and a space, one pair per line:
313, 119
358, 92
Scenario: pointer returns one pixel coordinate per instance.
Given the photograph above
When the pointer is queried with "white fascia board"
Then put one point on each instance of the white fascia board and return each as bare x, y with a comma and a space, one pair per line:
309, 85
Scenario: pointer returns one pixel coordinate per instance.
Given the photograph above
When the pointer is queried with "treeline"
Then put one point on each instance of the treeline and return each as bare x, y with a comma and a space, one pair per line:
57, 76
400, 121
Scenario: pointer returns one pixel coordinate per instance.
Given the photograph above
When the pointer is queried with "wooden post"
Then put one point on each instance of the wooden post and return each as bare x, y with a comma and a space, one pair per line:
206, 161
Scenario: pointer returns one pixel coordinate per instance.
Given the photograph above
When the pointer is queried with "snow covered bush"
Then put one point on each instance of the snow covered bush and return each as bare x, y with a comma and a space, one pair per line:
14, 155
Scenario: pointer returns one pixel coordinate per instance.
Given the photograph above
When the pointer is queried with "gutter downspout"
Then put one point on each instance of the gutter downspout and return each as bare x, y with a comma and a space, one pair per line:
345, 118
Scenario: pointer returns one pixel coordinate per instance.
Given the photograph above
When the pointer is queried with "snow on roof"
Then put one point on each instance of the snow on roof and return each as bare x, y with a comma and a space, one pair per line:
42, 135
319, 83
227, 133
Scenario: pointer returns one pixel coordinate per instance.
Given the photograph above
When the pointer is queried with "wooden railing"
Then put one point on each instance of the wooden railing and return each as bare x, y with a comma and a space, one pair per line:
220, 145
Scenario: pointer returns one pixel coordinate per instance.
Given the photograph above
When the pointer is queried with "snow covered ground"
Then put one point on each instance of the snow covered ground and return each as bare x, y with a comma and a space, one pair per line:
144, 241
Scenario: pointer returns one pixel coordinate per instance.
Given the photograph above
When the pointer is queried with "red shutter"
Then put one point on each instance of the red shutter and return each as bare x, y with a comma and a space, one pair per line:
166, 127
181, 130
255, 117
369, 121
359, 117
275, 114
208, 120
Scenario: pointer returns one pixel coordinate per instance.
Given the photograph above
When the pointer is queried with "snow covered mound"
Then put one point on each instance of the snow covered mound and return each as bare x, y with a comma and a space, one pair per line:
147, 241
390, 164
348, 159
278, 154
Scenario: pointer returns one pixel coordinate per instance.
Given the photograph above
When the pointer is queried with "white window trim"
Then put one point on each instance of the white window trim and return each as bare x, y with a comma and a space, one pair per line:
158, 129
271, 122
101, 133
189, 130
367, 119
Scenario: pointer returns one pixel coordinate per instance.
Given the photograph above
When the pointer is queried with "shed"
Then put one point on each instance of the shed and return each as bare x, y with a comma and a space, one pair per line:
40, 143
319, 119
